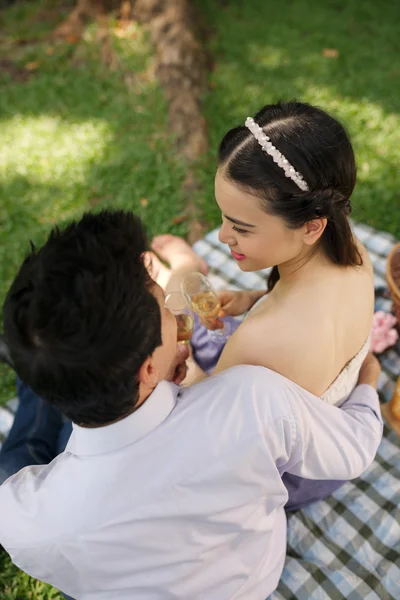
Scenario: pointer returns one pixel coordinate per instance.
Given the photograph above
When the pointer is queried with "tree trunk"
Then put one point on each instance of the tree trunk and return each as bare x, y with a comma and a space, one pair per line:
181, 68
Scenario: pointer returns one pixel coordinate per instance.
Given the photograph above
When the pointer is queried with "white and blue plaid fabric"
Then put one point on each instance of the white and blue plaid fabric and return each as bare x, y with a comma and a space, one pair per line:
347, 546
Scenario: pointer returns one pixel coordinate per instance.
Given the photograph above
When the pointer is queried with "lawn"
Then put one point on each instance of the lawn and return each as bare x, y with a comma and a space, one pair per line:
75, 136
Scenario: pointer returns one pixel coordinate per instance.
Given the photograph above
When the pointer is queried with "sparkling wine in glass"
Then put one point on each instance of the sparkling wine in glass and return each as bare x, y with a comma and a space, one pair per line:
205, 303
180, 305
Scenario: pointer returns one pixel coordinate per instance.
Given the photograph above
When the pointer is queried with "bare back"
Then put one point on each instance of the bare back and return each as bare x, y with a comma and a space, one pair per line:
310, 332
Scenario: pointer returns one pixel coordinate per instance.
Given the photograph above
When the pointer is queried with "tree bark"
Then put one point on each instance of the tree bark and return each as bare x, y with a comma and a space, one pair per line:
181, 68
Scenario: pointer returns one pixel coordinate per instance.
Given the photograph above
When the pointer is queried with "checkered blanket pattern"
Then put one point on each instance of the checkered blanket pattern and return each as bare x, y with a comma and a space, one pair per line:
347, 546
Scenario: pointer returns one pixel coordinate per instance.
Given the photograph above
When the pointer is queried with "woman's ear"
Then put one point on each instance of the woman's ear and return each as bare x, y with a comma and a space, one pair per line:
313, 231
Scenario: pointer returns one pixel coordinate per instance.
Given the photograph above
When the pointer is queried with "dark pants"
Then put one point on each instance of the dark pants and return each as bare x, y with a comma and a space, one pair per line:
39, 433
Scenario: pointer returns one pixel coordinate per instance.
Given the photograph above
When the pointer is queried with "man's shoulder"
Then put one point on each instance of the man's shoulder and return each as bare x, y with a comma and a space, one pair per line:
252, 377
254, 373
238, 406
243, 385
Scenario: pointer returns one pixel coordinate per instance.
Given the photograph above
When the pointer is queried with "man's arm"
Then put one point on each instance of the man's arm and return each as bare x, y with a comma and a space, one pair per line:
336, 443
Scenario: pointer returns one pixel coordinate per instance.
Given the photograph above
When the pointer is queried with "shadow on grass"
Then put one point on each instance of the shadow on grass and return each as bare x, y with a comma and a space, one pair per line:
277, 50
74, 138
263, 52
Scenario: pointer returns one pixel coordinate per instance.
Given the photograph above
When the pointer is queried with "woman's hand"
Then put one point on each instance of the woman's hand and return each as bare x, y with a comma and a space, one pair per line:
233, 304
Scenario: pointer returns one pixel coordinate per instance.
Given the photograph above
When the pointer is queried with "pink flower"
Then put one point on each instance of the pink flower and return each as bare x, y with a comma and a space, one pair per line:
383, 334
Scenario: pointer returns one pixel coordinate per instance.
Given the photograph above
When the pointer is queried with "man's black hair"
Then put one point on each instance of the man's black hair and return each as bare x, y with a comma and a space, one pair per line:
80, 317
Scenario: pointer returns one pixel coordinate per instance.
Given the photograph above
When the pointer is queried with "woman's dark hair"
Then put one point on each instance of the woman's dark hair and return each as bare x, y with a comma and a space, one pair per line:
80, 318
318, 147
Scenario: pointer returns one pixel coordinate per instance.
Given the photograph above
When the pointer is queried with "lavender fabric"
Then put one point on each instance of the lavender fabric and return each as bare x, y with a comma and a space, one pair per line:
303, 492
206, 352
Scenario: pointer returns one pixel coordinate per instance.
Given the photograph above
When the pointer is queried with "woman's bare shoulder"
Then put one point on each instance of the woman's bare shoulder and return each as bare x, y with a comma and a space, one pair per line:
272, 340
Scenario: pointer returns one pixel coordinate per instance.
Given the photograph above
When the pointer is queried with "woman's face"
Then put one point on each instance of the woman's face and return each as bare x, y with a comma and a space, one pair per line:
256, 239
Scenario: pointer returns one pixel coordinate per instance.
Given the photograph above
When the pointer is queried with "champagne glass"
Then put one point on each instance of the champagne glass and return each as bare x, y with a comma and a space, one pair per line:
178, 303
205, 303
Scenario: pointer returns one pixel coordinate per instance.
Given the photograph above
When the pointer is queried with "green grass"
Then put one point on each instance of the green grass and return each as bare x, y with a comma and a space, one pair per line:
15, 585
74, 136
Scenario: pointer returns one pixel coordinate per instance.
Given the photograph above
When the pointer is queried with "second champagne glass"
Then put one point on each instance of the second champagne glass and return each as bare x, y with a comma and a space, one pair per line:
205, 303
180, 305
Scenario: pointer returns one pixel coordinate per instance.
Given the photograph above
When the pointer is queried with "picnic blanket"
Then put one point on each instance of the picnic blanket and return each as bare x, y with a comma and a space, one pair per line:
347, 546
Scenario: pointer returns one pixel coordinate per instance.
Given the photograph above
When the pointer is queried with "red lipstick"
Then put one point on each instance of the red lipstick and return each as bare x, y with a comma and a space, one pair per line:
237, 256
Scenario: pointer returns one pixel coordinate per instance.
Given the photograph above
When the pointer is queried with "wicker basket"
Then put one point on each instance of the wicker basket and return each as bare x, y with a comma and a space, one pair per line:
393, 279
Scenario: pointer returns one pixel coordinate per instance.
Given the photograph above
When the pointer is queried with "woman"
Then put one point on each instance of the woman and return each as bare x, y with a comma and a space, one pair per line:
283, 185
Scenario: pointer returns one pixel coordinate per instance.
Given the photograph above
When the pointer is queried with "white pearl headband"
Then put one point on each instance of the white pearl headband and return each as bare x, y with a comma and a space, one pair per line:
274, 153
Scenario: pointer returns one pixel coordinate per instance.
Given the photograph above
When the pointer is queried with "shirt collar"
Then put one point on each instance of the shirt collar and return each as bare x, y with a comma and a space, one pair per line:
157, 407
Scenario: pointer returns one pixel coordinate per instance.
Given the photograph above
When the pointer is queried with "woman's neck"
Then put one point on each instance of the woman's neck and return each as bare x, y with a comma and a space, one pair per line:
303, 267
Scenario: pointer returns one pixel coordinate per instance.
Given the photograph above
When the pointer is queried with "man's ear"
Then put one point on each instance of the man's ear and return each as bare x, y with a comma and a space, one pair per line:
148, 374
313, 231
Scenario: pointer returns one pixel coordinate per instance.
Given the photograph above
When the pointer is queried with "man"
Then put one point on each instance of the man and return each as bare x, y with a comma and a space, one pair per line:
161, 492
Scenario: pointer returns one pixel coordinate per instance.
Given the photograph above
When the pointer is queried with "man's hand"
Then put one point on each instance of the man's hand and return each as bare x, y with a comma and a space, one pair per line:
370, 371
178, 368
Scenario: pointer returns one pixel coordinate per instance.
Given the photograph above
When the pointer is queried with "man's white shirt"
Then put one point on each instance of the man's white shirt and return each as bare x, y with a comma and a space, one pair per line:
183, 499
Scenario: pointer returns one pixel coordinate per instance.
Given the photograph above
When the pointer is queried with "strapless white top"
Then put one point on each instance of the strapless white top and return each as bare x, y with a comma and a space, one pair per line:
347, 379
